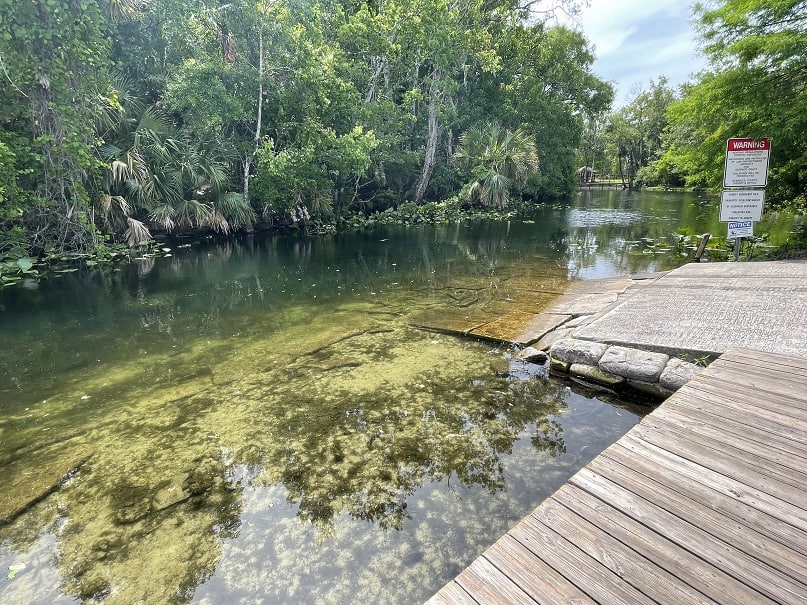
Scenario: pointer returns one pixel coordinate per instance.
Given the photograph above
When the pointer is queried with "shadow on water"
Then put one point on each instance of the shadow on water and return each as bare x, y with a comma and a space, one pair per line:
258, 420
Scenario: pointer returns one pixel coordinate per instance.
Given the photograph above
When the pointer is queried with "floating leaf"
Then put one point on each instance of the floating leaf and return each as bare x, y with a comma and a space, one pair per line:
25, 263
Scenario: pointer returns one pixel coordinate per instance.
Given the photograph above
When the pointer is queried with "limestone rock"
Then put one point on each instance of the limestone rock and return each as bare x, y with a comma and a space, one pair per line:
595, 374
532, 355
558, 367
650, 388
677, 373
633, 363
571, 350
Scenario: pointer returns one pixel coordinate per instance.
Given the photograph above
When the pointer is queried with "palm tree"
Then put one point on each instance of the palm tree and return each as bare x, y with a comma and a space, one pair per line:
499, 161
158, 176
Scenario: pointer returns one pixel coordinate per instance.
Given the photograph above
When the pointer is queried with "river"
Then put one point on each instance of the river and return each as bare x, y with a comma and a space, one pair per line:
262, 420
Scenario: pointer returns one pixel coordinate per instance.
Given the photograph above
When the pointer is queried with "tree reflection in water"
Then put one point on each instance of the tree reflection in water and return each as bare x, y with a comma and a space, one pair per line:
260, 410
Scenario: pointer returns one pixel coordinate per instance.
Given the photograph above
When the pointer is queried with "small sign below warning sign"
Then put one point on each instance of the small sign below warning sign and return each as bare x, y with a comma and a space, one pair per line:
741, 229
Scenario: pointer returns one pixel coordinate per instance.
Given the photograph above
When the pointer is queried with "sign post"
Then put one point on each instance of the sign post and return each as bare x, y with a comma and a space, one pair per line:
744, 179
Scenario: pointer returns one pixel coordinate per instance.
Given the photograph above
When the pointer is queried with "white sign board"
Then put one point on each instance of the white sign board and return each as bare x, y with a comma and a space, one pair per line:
747, 163
741, 205
741, 229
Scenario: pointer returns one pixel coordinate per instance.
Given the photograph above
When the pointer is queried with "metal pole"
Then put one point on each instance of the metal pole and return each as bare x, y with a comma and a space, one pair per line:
738, 242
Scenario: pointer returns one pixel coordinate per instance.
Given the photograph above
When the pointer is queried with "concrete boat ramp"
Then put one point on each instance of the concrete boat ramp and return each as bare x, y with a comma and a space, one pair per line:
705, 500
695, 310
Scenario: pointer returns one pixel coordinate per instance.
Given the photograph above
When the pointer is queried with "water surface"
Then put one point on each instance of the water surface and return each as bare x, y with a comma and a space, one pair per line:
260, 421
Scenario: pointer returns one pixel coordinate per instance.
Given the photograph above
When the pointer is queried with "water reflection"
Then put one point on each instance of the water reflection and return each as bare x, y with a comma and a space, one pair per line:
259, 420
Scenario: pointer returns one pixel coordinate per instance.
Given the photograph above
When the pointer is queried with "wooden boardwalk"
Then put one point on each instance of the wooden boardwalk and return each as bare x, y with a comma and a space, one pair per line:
704, 501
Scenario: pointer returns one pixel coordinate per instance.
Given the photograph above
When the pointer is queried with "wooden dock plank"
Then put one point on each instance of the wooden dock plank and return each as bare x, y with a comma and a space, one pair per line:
541, 581
704, 501
452, 594
622, 561
736, 563
626, 470
596, 580
489, 586
759, 359
765, 436
701, 401
753, 442
687, 566
712, 499
737, 389
739, 469
785, 512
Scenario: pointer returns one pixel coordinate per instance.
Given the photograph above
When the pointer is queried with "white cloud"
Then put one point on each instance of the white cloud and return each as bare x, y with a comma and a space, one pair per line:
639, 40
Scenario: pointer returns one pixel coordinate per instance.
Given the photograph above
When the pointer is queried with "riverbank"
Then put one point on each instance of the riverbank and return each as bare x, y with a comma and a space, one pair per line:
651, 333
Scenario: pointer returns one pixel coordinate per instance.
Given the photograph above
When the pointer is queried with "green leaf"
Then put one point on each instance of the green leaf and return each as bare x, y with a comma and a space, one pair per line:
25, 263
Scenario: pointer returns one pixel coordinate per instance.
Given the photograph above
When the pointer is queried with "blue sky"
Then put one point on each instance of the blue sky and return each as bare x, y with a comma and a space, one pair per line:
639, 40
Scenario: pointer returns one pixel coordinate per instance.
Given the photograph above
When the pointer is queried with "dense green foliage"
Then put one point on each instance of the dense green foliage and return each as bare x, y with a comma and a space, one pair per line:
756, 87
120, 119
123, 118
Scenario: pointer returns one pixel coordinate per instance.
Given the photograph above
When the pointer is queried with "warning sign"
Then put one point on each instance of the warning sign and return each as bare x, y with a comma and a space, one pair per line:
747, 163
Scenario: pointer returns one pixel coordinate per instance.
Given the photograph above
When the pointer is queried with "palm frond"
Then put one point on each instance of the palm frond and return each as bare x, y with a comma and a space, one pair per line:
236, 210
136, 233
163, 215
218, 223
192, 213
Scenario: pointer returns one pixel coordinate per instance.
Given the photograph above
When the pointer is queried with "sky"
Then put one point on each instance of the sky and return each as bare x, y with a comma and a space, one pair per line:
639, 40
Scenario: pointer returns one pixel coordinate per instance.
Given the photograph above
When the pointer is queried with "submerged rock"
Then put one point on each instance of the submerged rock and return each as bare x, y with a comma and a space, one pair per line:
532, 355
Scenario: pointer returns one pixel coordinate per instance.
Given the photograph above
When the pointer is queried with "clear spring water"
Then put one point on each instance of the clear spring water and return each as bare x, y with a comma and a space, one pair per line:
258, 421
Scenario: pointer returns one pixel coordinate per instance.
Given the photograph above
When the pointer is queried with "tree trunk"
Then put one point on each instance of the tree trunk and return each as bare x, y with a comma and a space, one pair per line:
257, 139
430, 158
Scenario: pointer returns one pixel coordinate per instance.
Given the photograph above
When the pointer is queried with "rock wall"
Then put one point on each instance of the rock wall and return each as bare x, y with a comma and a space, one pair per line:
620, 368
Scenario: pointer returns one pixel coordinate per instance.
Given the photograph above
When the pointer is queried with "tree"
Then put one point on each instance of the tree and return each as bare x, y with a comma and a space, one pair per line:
52, 57
756, 87
545, 86
500, 161
635, 131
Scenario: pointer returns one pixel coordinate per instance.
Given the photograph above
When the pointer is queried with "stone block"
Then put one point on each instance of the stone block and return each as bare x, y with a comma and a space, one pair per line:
595, 374
653, 389
677, 373
532, 355
548, 340
633, 363
560, 368
572, 350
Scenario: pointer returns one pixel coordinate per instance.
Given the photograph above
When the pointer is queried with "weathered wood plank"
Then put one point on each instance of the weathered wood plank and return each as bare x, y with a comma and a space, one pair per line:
785, 512
746, 439
623, 562
763, 360
768, 462
736, 563
591, 577
537, 579
703, 402
738, 427
452, 594
639, 479
793, 537
740, 389
692, 570
490, 586
704, 501
742, 471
